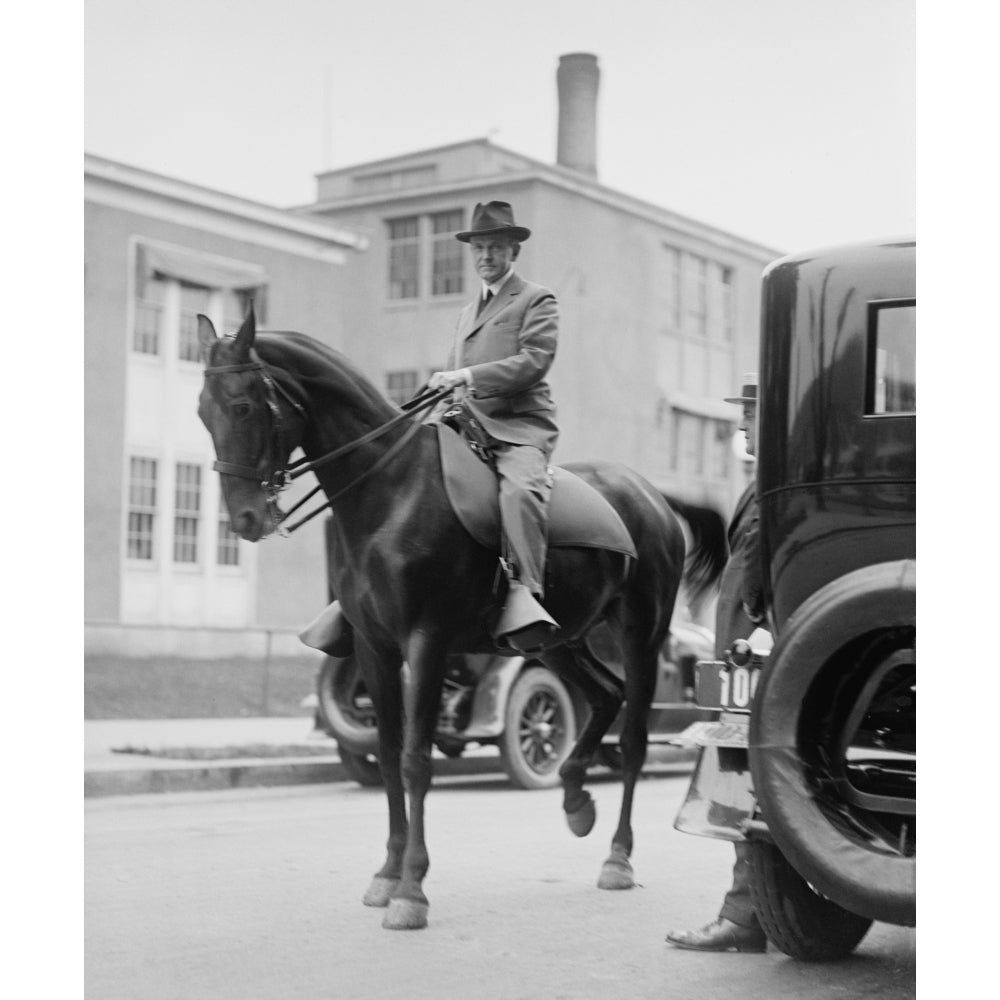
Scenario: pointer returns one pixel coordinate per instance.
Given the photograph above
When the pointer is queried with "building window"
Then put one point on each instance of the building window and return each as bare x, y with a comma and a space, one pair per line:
194, 300
696, 295
424, 256
728, 304
447, 257
149, 317
141, 508
227, 551
699, 446
401, 386
721, 445
892, 359
187, 502
670, 288
404, 257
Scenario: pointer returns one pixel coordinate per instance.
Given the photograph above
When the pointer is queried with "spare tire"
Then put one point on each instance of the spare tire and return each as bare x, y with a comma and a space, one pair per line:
831, 734
345, 708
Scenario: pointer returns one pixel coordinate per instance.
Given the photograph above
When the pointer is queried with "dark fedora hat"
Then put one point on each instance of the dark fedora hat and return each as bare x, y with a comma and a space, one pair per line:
748, 392
493, 218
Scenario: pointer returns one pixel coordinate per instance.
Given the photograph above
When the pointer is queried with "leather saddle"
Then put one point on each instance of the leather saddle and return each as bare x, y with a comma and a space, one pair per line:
579, 516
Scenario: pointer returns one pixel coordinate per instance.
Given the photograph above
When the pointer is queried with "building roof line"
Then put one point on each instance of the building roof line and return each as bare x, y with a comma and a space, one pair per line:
113, 171
564, 177
388, 161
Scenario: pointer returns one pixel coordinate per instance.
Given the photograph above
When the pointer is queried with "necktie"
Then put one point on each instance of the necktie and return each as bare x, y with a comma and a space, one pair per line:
484, 301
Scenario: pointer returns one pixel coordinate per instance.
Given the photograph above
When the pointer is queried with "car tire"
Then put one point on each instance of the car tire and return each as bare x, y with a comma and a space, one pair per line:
343, 707
539, 729
797, 920
362, 768
841, 638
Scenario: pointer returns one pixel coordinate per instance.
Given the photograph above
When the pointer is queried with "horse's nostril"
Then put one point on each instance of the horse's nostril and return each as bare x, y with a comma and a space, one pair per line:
245, 523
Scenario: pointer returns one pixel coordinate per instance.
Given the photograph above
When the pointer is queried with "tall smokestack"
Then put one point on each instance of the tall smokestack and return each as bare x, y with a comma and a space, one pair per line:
576, 80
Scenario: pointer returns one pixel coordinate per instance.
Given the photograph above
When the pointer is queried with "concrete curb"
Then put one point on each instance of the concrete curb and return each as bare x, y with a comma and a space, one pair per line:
258, 773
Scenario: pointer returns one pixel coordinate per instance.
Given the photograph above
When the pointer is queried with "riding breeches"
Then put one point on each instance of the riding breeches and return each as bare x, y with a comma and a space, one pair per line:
524, 494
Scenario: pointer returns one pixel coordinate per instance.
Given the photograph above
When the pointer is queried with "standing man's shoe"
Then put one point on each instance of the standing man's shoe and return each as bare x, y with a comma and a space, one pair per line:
721, 935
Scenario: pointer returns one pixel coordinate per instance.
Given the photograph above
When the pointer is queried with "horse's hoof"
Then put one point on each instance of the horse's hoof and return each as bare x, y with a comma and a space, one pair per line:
582, 821
380, 891
405, 915
616, 873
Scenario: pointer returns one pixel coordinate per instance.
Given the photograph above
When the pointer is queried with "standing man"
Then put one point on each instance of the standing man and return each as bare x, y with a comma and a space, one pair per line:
740, 610
505, 343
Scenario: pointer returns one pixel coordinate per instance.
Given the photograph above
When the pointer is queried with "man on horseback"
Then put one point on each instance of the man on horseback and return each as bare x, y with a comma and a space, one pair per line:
505, 343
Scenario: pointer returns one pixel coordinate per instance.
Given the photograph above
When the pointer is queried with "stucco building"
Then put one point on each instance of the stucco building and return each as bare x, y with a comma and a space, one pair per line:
162, 570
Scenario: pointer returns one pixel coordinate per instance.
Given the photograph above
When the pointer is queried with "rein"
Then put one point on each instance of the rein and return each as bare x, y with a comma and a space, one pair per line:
281, 478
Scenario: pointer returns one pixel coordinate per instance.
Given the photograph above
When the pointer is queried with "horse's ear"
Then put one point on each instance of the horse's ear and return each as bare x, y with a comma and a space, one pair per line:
206, 336
245, 334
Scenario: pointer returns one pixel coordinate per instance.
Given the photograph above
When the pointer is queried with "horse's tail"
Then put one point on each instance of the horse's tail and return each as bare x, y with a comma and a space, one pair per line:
709, 549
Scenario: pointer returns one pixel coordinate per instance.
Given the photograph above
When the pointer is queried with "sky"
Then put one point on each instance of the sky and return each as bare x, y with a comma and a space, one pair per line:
788, 122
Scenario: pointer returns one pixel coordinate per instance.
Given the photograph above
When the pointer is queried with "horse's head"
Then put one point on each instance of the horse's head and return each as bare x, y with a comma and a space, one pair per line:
254, 430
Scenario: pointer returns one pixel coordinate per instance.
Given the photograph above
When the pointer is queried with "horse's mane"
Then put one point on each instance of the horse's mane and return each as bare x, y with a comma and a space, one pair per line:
313, 367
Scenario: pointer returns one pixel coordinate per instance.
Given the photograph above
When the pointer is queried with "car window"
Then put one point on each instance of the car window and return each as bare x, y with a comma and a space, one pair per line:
892, 356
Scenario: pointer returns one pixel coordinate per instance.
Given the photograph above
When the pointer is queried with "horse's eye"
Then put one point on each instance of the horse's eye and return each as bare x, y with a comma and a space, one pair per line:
241, 409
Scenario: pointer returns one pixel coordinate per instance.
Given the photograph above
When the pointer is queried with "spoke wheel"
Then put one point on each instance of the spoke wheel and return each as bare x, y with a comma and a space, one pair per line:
539, 729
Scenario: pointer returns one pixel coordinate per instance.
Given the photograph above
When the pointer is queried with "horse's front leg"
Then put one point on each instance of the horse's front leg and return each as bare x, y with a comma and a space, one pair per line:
382, 671
426, 657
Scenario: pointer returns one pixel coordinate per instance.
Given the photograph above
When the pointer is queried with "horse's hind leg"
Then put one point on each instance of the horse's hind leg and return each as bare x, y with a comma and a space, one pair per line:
604, 694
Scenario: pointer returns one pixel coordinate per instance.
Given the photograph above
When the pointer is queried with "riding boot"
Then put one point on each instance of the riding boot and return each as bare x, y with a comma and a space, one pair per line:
330, 632
524, 624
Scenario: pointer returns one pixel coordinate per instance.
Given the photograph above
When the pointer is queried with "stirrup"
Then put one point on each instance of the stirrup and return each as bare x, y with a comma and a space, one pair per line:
524, 625
330, 632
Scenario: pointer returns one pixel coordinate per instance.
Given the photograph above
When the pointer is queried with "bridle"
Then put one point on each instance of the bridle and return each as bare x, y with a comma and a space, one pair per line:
281, 477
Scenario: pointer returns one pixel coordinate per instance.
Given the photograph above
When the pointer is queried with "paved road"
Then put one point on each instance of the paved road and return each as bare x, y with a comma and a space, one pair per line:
256, 894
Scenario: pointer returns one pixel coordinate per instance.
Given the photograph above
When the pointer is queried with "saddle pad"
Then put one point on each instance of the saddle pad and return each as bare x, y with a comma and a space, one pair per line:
578, 515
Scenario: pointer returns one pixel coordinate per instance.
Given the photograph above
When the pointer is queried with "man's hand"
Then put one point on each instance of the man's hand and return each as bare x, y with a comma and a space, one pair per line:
449, 380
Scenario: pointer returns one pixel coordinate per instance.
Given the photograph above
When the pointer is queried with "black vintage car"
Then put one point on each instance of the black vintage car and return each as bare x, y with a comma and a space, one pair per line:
813, 758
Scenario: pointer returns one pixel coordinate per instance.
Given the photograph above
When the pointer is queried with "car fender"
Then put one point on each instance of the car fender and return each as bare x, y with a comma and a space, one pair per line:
490, 701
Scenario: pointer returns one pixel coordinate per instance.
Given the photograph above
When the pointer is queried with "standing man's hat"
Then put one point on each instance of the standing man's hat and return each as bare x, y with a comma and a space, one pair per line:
494, 217
748, 394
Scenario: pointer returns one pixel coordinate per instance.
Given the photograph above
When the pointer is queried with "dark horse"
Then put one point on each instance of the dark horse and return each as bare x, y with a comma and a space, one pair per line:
416, 587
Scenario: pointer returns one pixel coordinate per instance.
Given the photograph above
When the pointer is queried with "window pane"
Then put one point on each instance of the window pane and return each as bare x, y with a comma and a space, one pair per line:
141, 509
401, 386
194, 300
227, 552
402, 229
148, 317
696, 294
670, 288
892, 376
448, 267
404, 262
404, 257
187, 502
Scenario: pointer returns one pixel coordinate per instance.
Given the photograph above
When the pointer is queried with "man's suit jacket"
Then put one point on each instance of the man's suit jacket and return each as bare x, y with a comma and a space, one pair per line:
509, 348
741, 586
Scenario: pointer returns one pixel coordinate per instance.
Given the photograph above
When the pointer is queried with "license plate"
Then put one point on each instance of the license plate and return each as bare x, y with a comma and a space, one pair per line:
721, 685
